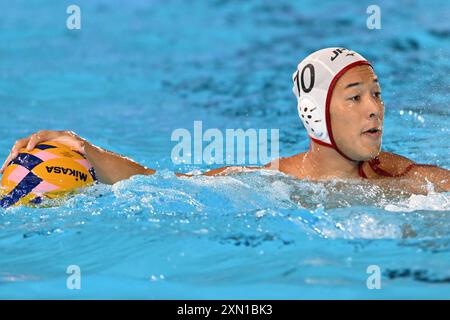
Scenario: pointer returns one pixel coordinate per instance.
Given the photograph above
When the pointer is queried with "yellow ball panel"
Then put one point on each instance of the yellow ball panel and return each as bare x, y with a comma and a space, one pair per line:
64, 173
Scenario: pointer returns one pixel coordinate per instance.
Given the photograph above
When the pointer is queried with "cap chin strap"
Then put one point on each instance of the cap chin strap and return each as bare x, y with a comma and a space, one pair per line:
333, 147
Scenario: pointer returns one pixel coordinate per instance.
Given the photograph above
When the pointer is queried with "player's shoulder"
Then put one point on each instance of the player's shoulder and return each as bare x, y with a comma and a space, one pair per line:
290, 165
394, 160
389, 164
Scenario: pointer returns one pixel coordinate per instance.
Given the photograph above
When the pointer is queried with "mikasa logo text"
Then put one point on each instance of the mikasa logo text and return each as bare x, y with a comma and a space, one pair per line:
60, 170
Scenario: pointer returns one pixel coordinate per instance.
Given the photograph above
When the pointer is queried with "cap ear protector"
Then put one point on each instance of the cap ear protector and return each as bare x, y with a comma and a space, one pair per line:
314, 81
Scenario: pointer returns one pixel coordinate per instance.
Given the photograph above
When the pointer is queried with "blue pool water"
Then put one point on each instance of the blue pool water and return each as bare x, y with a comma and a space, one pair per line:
137, 70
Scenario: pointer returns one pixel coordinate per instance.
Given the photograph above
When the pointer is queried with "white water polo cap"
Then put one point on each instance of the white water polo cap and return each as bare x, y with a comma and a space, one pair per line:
314, 81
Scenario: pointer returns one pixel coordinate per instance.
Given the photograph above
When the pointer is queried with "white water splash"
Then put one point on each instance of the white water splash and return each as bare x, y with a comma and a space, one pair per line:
432, 201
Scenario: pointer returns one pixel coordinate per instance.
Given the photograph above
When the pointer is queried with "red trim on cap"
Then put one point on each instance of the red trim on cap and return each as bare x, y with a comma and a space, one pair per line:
322, 143
328, 101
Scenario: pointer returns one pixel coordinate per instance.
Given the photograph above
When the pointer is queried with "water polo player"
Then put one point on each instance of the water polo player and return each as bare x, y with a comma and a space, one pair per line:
339, 102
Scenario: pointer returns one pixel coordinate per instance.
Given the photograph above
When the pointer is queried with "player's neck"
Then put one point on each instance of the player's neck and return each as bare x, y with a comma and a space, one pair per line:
326, 162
